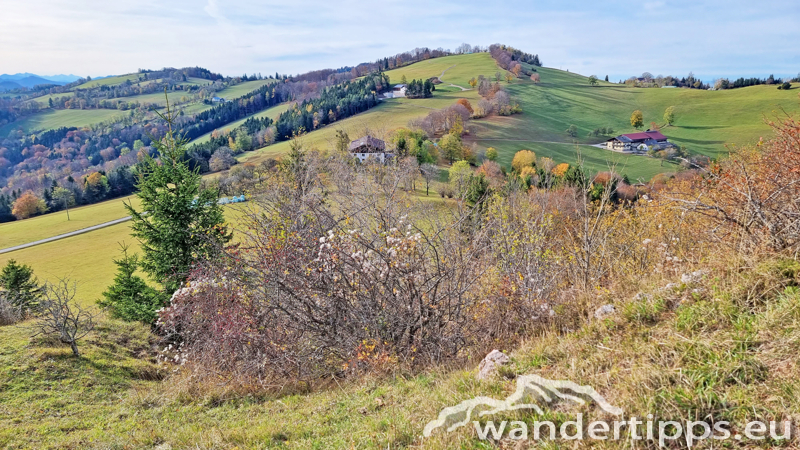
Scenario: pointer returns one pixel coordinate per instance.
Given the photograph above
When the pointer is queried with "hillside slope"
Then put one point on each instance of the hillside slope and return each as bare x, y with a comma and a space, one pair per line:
706, 121
704, 357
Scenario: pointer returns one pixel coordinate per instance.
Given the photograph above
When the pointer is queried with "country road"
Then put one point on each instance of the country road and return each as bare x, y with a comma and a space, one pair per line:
65, 235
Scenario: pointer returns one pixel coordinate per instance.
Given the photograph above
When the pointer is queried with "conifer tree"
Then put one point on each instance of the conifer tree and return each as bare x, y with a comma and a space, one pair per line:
130, 298
21, 286
180, 222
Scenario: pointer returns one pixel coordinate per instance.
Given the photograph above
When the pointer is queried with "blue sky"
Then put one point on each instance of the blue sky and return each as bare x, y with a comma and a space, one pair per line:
616, 38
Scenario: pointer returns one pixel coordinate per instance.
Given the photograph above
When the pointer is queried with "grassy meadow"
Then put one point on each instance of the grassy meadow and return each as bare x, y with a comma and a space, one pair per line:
49, 225
706, 121
109, 81
86, 258
49, 119
156, 98
244, 88
458, 69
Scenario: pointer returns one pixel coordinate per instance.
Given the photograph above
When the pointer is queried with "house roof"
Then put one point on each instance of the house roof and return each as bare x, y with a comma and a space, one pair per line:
398, 86
367, 141
643, 136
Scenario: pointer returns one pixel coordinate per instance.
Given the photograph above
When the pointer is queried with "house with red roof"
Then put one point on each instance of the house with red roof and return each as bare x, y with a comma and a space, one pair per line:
639, 142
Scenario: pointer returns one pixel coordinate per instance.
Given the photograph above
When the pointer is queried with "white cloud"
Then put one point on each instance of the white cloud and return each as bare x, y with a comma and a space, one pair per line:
619, 38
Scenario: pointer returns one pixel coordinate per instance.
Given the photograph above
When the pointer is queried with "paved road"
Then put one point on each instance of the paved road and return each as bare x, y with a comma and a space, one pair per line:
65, 235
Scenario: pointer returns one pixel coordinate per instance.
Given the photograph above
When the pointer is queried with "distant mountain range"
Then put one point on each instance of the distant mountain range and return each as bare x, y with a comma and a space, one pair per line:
29, 80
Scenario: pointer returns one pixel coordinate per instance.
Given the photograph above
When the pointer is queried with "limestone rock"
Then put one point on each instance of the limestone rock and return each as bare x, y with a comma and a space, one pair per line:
604, 311
491, 363
692, 278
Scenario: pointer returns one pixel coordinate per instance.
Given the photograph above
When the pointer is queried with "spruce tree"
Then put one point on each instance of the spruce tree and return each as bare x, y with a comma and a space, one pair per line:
180, 222
130, 298
20, 285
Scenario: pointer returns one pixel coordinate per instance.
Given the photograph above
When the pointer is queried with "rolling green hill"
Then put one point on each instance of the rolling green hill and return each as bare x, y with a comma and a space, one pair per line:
457, 69
49, 118
706, 121
109, 81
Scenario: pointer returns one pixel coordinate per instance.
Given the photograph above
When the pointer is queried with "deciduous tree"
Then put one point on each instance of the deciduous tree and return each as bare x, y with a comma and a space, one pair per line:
669, 115
637, 119
466, 104
459, 175
572, 131
60, 316
28, 205
64, 197
451, 147
523, 158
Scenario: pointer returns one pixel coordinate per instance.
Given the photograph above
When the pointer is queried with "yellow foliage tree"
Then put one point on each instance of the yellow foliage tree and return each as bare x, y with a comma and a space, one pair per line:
637, 119
527, 171
523, 158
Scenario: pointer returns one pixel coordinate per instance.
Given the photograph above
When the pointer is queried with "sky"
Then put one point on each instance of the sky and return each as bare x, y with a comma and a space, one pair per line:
712, 39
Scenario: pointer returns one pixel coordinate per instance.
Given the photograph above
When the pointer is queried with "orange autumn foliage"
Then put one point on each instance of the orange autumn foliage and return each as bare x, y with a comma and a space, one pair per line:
28, 205
560, 169
464, 102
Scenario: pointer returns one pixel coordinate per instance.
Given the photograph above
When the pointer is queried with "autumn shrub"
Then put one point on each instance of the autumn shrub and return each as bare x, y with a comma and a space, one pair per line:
335, 282
445, 190
752, 197
326, 286
9, 313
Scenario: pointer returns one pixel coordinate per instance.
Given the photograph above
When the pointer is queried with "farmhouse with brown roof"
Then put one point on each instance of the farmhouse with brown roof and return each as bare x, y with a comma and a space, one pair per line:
638, 142
368, 147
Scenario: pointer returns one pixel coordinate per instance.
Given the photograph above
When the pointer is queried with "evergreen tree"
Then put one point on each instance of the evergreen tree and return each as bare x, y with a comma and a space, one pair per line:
130, 298
180, 222
21, 285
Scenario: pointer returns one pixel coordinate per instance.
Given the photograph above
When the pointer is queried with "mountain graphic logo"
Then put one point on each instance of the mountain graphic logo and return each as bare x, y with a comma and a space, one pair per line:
529, 387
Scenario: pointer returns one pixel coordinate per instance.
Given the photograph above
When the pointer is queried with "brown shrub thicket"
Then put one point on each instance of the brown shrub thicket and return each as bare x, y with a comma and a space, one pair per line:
9, 313
751, 197
339, 271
